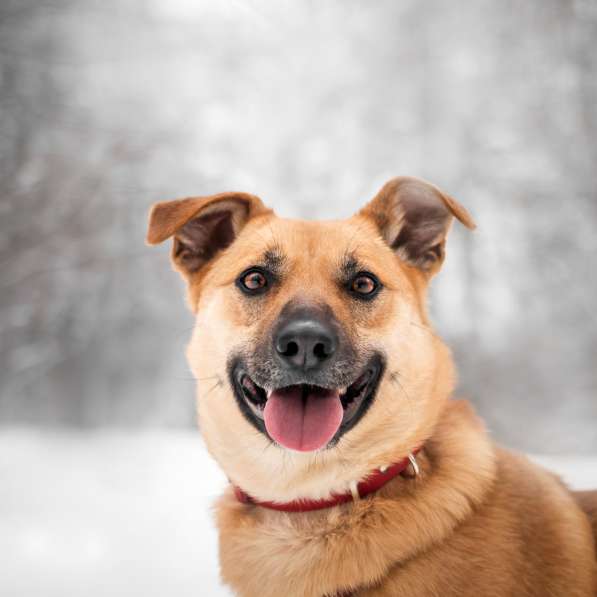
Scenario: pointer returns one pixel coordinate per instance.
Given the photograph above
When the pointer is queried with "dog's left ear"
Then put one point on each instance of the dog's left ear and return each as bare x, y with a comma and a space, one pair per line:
201, 227
414, 217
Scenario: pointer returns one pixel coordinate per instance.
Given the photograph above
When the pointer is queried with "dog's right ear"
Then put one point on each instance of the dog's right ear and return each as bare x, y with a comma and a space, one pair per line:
201, 227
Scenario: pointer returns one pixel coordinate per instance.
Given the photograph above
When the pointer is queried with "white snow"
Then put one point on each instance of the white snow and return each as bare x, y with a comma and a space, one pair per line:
123, 513
107, 513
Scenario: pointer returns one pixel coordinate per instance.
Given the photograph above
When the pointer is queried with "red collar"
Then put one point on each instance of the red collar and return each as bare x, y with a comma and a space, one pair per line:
374, 481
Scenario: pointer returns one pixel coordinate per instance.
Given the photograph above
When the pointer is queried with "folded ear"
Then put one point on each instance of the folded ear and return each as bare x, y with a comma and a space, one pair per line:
201, 226
413, 217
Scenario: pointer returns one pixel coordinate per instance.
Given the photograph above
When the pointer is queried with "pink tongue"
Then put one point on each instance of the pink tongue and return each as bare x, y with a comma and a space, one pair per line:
303, 424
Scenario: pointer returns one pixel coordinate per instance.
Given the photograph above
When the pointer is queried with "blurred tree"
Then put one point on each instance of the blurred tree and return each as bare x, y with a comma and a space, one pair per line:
106, 107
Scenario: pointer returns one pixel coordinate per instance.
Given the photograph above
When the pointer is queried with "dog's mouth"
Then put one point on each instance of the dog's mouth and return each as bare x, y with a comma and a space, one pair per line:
306, 417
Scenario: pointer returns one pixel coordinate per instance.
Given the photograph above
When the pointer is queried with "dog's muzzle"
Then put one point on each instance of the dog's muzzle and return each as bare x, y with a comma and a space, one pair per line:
305, 416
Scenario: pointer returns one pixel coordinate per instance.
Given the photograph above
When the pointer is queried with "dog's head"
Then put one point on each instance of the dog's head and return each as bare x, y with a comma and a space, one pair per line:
312, 348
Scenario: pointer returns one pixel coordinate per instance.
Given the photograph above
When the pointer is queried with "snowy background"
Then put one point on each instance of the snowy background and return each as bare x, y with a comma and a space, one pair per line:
108, 106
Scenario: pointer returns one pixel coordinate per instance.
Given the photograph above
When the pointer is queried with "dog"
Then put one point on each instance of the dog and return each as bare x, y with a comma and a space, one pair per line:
326, 397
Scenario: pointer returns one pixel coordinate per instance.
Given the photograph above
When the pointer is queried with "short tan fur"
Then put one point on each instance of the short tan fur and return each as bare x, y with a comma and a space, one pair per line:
478, 520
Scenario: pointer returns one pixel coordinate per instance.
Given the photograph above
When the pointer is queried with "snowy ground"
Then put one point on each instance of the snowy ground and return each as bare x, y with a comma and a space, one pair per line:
122, 513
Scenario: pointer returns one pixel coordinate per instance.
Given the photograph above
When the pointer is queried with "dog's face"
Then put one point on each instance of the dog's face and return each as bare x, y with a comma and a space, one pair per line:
313, 353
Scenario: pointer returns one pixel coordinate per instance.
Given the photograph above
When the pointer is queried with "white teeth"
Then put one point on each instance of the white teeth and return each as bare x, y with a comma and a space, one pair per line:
258, 410
269, 393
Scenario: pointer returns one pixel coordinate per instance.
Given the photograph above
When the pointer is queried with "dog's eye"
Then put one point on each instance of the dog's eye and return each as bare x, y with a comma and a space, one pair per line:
364, 285
252, 281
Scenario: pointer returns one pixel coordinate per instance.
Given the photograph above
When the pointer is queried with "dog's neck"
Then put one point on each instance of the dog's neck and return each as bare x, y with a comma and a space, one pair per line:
457, 469
374, 481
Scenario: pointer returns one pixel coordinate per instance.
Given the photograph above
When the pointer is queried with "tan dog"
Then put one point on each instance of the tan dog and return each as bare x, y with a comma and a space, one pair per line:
320, 378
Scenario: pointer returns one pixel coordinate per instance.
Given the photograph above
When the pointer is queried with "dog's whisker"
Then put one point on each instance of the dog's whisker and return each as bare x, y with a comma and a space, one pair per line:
275, 242
208, 377
218, 384
425, 328
395, 378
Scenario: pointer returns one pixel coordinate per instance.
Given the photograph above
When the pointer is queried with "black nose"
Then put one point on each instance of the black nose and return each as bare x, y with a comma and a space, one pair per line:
305, 343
